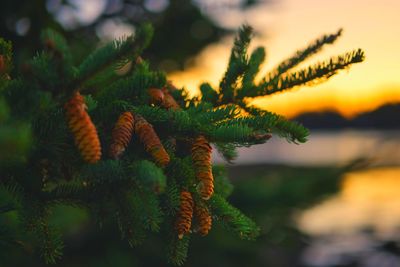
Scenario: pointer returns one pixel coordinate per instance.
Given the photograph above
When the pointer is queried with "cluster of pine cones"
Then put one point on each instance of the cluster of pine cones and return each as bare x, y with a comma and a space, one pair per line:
129, 124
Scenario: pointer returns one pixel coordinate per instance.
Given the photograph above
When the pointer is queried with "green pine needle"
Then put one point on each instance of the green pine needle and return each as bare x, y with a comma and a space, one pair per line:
303, 54
237, 63
316, 73
233, 219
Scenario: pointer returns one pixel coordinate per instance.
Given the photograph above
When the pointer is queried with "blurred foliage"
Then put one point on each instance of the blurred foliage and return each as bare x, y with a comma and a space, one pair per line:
182, 28
269, 194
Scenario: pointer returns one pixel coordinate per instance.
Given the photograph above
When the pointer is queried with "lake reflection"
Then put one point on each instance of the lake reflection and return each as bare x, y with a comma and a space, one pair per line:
358, 227
326, 148
368, 199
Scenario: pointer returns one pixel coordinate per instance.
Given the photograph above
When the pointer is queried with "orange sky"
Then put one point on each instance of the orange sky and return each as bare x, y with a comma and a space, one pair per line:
290, 25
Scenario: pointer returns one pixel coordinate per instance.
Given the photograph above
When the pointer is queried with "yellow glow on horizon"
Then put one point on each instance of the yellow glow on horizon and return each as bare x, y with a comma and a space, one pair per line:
370, 25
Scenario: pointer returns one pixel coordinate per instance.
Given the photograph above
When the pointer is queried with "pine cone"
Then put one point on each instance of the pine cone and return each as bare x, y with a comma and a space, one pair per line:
150, 139
156, 96
184, 219
82, 128
121, 134
204, 219
201, 156
169, 101
2, 64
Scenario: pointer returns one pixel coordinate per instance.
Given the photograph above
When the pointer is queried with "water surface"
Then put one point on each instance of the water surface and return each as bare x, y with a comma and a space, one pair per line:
325, 148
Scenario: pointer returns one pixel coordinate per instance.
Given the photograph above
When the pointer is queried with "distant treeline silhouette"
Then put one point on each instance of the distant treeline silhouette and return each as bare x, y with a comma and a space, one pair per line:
384, 117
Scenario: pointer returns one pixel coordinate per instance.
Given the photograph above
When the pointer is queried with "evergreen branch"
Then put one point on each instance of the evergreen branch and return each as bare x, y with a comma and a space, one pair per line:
41, 70
54, 41
150, 175
228, 151
146, 204
117, 51
23, 98
107, 171
4, 111
50, 240
12, 194
6, 65
292, 131
218, 114
16, 139
318, 72
178, 120
253, 67
231, 133
171, 198
71, 194
154, 115
34, 217
7, 207
222, 185
237, 64
208, 93
128, 222
273, 123
177, 249
182, 171
114, 72
133, 87
5, 48
182, 121
303, 54
233, 219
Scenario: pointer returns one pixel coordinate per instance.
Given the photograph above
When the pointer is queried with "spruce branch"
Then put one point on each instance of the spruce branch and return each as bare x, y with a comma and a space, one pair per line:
228, 151
50, 242
233, 219
16, 139
208, 93
171, 198
41, 71
146, 206
181, 170
128, 221
133, 87
150, 175
303, 54
273, 123
253, 67
12, 194
104, 172
177, 249
237, 64
72, 194
5, 61
233, 133
56, 43
223, 186
215, 115
118, 51
316, 73
34, 215
61, 57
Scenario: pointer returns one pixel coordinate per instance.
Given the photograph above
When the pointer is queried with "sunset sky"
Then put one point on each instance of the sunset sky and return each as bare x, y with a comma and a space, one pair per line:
288, 25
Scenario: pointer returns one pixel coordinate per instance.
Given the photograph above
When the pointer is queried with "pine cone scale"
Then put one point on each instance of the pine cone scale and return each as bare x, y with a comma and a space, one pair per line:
184, 219
83, 129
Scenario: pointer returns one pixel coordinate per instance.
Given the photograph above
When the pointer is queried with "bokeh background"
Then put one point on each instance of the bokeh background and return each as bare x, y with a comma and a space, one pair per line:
334, 201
